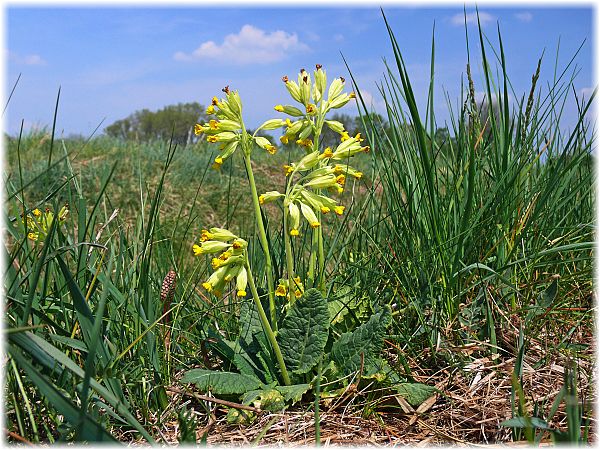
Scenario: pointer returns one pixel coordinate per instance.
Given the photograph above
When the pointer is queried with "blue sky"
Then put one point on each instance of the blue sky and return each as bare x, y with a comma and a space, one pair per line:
111, 61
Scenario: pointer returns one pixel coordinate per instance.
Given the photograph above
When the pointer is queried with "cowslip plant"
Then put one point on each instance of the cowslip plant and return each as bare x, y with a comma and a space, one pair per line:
306, 338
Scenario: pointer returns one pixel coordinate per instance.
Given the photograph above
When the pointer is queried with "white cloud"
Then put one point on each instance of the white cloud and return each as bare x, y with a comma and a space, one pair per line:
471, 18
524, 16
250, 46
338, 37
27, 60
586, 92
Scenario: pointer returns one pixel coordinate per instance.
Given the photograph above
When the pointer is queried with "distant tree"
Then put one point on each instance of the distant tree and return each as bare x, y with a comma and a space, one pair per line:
173, 120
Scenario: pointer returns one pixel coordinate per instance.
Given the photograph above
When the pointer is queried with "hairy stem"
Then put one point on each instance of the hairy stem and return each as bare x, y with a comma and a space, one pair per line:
267, 327
262, 235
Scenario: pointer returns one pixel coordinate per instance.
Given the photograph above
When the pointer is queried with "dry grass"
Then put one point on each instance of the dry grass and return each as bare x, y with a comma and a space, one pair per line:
473, 401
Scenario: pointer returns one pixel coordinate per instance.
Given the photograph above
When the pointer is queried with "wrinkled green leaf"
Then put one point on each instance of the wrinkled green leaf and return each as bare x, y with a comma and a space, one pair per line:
415, 393
304, 332
366, 340
221, 382
293, 392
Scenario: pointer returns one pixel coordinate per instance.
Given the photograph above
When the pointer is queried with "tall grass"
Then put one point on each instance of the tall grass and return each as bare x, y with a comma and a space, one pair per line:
492, 223
470, 229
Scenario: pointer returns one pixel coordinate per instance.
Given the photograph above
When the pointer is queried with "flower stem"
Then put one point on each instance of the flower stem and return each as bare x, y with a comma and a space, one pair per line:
262, 235
267, 327
289, 260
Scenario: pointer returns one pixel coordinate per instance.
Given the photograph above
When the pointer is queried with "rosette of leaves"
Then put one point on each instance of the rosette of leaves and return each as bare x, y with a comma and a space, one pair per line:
305, 338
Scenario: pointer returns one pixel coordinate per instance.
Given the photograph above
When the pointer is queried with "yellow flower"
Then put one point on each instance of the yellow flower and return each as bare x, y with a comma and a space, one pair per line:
288, 122
288, 169
345, 136
218, 160
358, 175
341, 179
261, 199
214, 124
207, 286
339, 210
214, 101
216, 263
33, 236
37, 212
241, 293
271, 149
352, 95
197, 250
280, 291
327, 153
224, 256
304, 143
311, 109
205, 236
210, 110
279, 108
198, 129
339, 188
298, 293
284, 139
294, 232
325, 209
212, 138
315, 224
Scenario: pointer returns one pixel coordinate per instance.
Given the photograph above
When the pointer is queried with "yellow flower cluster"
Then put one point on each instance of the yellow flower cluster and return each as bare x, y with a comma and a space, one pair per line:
39, 223
230, 264
284, 291
228, 129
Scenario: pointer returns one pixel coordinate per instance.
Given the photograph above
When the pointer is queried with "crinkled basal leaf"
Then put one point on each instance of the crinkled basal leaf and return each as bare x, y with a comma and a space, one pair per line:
380, 370
293, 392
366, 340
221, 382
304, 332
415, 393
249, 320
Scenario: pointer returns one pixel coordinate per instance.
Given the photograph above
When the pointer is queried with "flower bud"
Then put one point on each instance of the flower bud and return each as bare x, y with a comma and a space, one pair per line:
309, 215
339, 101
218, 234
316, 94
269, 197
336, 126
290, 110
307, 129
320, 79
210, 247
304, 84
227, 125
235, 103
321, 182
335, 89
309, 161
228, 149
241, 282
263, 142
271, 124
294, 218
293, 89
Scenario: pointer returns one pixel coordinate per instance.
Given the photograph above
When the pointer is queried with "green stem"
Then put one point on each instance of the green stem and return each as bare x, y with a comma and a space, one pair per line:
321, 258
317, 399
262, 235
289, 260
267, 327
